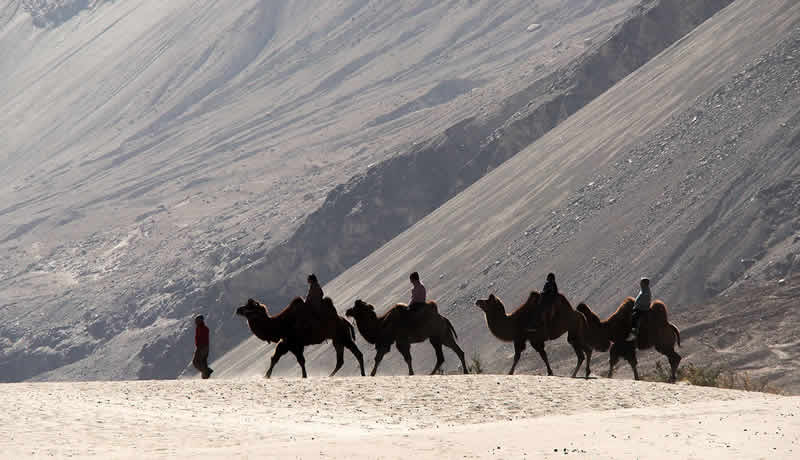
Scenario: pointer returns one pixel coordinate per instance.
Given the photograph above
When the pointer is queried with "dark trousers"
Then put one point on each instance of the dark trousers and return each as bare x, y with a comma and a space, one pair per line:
636, 318
200, 360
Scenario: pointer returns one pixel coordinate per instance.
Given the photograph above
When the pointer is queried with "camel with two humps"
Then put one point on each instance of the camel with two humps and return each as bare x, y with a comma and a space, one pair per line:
403, 326
525, 324
296, 327
655, 330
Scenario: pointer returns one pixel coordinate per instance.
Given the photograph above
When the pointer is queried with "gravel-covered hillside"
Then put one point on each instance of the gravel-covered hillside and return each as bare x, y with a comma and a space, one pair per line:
685, 171
150, 149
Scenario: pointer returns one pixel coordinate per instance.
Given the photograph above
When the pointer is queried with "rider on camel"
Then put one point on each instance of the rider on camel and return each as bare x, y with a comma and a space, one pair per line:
314, 296
418, 293
549, 294
641, 305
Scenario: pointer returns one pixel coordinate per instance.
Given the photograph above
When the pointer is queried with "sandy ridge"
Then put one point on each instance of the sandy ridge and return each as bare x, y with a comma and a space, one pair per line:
299, 417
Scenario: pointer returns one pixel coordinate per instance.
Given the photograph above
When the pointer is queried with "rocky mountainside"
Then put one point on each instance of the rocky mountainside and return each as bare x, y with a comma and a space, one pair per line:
54, 12
361, 215
752, 328
150, 150
686, 171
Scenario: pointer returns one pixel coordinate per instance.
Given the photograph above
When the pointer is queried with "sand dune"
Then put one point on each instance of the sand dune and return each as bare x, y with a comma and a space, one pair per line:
393, 417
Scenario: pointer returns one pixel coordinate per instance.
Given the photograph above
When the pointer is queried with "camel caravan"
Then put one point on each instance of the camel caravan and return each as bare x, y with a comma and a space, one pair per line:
638, 323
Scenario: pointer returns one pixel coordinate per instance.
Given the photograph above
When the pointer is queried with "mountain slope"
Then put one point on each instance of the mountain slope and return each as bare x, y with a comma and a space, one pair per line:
377, 205
660, 175
150, 149
372, 207
767, 347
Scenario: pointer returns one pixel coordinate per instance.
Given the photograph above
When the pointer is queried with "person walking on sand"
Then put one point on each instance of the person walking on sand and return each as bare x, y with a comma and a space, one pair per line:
202, 344
418, 293
640, 306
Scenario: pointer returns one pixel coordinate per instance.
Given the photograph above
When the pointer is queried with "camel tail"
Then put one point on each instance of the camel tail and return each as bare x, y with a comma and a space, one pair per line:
353, 331
452, 329
677, 333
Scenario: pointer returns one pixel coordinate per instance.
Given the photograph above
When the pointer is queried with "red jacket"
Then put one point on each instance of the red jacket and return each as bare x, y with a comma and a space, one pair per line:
201, 336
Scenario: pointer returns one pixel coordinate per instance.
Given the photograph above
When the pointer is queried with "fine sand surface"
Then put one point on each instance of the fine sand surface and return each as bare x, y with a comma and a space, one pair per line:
394, 417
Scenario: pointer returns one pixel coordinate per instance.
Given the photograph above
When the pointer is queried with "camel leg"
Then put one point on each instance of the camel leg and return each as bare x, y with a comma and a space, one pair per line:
539, 347
588, 361
297, 351
339, 357
579, 353
674, 359
450, 342
437, 347
405, 350
280, 350
519, 347
350, 345
379, 352
631, 357
613, 359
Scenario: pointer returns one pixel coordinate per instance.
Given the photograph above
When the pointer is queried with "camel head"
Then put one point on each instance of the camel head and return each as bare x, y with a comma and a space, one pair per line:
251, 309
360, 309
490, 305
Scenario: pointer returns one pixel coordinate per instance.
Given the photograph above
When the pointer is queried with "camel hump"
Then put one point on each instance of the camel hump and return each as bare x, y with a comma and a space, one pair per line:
658, 305
587, 313
428, 307
659, 310
432, 306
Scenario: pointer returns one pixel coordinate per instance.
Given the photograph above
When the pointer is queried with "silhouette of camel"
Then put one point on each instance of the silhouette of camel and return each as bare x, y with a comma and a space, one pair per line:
404, 326
516, 327
654, 331
295, 327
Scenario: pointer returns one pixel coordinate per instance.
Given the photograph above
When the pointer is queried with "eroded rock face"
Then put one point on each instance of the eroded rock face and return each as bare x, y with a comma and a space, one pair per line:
47, 13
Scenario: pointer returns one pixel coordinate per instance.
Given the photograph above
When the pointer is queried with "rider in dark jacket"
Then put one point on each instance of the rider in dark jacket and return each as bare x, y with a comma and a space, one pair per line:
550, 289
641, 305
314, 296
549, 294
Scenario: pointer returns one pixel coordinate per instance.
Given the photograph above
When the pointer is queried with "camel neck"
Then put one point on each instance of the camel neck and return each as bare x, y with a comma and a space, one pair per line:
500, 324
262, 327
368, 327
